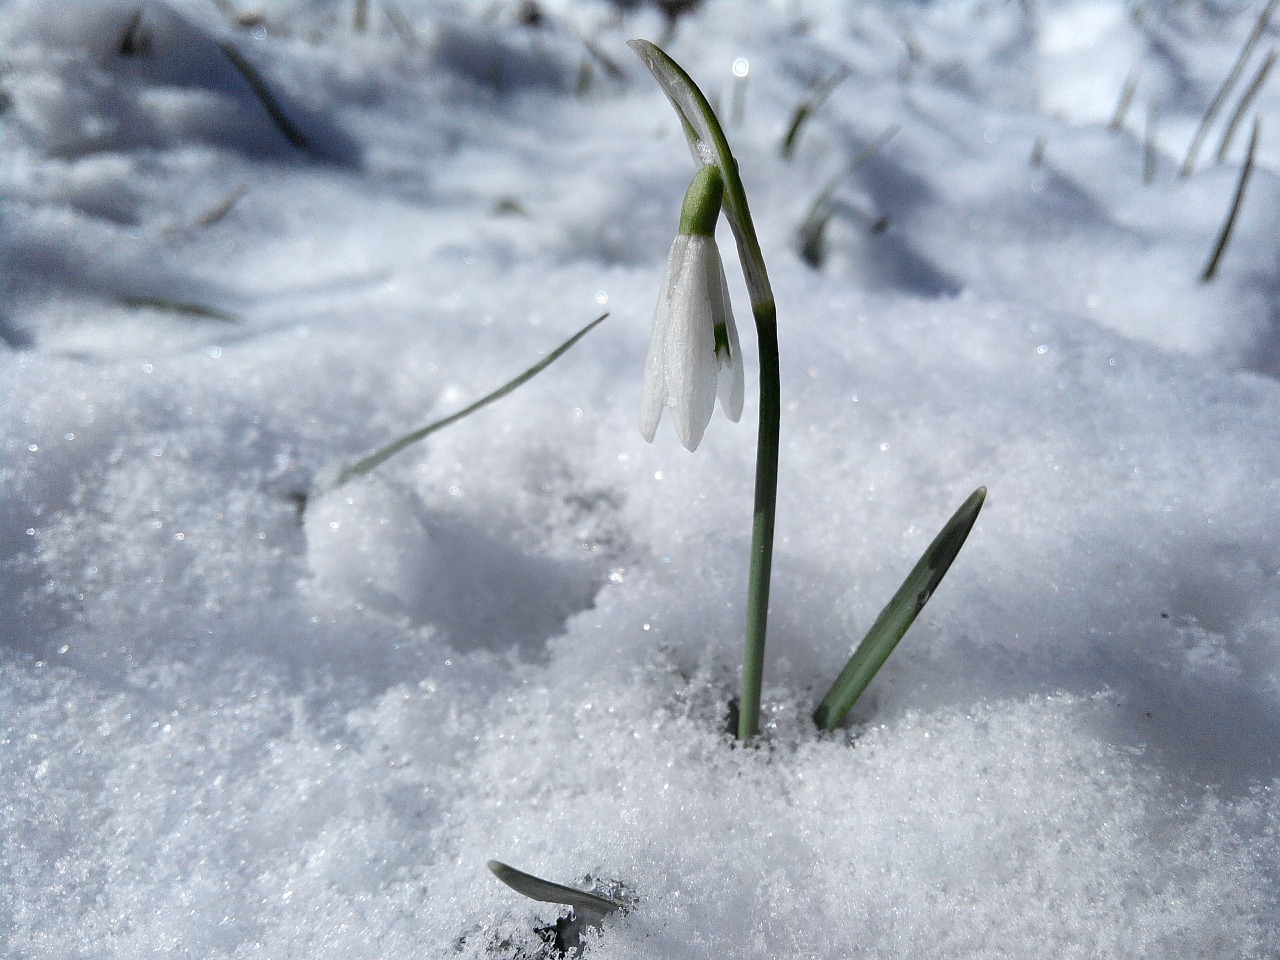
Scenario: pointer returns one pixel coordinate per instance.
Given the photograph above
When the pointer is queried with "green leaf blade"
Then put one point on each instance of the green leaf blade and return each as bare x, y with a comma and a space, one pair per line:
182, 307
544, 891
898, 615
334, 478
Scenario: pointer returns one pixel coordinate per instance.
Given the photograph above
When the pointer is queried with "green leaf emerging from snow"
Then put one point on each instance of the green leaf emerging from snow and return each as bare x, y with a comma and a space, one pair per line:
265, 97
332, 479
898, 615
167, 305
544, 891
806, 109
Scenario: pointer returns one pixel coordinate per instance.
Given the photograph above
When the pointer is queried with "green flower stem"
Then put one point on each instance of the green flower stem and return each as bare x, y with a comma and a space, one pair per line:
710, 147
766, 498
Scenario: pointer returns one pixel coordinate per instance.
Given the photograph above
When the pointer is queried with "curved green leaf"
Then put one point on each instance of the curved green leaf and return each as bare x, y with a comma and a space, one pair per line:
544, 891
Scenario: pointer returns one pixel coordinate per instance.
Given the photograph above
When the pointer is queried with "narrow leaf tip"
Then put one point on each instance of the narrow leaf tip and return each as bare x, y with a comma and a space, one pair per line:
545, 891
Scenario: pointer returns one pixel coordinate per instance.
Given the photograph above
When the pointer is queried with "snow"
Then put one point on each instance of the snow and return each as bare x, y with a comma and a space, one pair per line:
231, 727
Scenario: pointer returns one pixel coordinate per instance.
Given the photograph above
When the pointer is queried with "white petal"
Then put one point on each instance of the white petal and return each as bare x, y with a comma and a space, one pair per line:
653, 395
729, 379
682, 369
692, 367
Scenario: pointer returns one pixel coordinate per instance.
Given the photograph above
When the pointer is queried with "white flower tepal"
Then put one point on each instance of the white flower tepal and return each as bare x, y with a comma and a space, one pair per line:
694, 354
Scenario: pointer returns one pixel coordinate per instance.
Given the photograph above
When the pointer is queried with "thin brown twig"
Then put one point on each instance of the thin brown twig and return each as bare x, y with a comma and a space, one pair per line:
265, 96
1211, 268
1150, 153
1223, 91
1126, 99
1255, 85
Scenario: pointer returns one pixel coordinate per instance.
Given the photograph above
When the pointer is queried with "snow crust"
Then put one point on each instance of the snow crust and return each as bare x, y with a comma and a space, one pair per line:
233, 727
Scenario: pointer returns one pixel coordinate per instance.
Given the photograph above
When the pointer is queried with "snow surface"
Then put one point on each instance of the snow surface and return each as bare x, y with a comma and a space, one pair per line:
233, 730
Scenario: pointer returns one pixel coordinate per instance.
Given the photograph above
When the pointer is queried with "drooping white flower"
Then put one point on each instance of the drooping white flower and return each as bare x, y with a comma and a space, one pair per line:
694, 354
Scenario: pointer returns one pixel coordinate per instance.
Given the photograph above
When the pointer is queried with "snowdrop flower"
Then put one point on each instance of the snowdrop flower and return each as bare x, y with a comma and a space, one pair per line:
694, 354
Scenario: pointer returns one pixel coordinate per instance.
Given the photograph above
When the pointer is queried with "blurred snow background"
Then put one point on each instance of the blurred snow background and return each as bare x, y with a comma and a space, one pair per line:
230, 728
